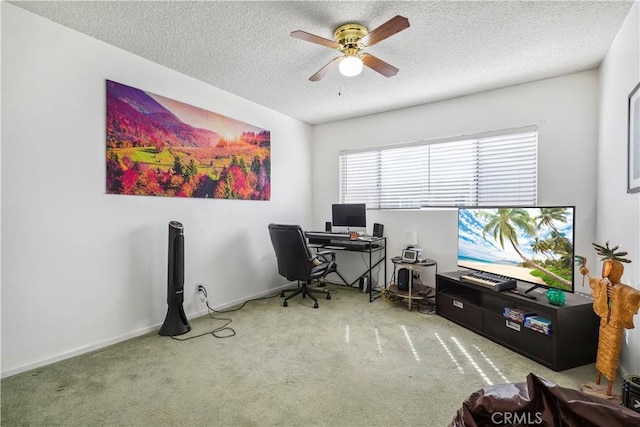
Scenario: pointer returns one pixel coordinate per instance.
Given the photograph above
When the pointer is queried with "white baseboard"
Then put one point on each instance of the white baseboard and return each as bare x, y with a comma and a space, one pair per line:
262, 294
81, 350
129, 335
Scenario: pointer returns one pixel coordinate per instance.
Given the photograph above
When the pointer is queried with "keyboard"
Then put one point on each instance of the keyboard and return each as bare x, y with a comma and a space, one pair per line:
492, 281
331, 236
325, 235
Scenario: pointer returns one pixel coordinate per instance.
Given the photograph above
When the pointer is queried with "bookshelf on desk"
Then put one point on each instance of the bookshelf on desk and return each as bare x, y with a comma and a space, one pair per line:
573, 339
374, 249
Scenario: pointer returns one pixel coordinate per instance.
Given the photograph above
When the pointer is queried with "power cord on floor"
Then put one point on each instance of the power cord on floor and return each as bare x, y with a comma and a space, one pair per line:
229, 331
425, 305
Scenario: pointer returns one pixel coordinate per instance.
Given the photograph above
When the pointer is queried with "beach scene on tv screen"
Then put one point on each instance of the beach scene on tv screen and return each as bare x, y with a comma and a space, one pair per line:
529, 244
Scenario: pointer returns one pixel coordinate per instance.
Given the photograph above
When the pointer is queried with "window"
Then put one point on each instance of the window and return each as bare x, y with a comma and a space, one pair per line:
490, 169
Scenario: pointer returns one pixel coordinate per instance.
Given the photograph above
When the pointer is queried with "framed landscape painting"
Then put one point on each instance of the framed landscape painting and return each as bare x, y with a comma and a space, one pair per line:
633, 167
157, 146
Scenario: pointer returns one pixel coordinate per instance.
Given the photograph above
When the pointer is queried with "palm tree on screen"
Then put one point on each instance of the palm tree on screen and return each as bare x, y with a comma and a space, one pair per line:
541, 246
549, 217
504, 224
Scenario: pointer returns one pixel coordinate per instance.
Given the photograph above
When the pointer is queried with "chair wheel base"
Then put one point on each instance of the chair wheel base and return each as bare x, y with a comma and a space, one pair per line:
328, 296
285, 304
315, 305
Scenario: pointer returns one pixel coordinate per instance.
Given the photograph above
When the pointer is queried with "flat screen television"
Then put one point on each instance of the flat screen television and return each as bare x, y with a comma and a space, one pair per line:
349, 215
530, 244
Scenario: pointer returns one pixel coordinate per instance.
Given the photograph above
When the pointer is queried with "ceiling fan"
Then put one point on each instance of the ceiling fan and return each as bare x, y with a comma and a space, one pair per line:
350, 40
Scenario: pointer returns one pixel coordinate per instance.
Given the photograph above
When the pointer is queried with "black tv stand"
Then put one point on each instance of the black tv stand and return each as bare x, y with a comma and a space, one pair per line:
573, 340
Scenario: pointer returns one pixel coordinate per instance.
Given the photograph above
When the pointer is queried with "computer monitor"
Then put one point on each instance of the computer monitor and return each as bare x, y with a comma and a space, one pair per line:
351, 215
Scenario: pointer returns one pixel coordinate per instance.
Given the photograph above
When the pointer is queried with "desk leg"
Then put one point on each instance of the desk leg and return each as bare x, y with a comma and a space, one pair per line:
382, 260
370, 268
384, 257
343, 279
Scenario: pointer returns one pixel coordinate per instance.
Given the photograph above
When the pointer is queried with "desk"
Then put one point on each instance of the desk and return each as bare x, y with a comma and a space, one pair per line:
416, 292
371, 246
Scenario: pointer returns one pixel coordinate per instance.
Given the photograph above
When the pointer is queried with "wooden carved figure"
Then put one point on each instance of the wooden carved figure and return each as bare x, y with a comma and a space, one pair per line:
615, 304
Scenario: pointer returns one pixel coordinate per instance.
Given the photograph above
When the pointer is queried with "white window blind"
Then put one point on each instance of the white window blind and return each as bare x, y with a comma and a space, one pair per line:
498, 169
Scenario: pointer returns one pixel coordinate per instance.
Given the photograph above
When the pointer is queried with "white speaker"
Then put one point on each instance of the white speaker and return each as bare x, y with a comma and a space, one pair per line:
363, 284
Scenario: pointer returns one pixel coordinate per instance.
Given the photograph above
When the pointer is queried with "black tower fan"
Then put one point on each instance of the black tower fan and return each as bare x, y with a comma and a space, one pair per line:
176, 322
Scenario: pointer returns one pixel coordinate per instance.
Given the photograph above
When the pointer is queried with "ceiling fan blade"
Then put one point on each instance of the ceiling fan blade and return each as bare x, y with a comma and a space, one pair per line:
308, 37
389, 28
379, 65
325, 70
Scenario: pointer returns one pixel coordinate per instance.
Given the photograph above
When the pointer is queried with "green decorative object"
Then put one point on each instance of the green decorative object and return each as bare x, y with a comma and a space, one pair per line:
556, 296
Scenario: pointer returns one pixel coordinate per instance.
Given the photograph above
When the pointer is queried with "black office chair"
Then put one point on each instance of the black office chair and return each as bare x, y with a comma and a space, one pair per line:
296, 262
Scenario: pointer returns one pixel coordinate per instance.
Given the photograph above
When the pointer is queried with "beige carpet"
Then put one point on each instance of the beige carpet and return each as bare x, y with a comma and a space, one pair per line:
348, 363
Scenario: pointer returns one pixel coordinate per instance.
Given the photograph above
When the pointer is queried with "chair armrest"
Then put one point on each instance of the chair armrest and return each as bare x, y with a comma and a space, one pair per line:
327, 259
322, 256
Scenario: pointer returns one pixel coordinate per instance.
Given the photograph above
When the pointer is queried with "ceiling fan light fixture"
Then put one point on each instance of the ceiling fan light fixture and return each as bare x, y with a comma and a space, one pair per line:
349, 40
351, 65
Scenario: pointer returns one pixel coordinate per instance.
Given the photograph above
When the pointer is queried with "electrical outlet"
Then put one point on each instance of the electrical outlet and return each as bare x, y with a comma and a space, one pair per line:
201, 291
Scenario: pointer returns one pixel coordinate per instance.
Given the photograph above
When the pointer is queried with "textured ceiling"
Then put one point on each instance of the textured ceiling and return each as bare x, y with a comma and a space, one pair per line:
451, 48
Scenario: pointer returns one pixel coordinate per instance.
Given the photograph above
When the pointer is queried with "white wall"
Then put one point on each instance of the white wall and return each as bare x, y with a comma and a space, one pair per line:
619, 212
565, 111
82, 269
